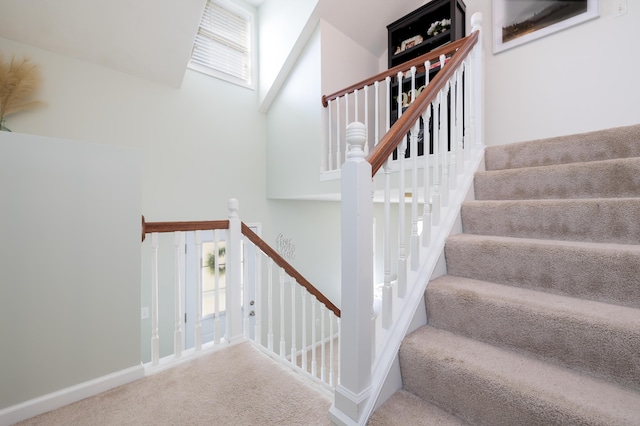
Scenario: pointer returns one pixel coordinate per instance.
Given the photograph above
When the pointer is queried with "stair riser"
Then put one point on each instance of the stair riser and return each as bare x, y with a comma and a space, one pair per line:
605, 179
485, 385
604, 275
592, 146
599, 220
603, 348
476, 398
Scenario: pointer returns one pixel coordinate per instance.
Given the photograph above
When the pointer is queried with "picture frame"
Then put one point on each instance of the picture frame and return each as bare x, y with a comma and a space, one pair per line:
519, 22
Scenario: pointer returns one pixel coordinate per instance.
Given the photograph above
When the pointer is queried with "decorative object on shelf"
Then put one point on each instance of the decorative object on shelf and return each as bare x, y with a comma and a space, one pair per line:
19, 79
409, 43
439, 27
513, 27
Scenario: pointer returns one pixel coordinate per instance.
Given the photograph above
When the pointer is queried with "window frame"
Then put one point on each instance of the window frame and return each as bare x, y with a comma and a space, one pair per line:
249, 14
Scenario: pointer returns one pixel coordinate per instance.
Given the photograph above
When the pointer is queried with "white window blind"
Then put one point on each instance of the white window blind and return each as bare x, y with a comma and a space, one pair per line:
223, 43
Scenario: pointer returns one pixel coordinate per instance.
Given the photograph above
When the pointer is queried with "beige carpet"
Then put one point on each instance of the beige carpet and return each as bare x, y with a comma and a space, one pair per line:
537, 321
236, 386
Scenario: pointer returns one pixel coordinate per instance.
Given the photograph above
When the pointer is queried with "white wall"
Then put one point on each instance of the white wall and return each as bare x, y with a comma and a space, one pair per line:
192, 139
199, 146
580, 79
344, 62
284, 27
69, 264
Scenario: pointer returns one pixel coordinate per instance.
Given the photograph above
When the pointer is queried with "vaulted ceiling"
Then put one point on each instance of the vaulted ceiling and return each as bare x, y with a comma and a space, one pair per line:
152, 39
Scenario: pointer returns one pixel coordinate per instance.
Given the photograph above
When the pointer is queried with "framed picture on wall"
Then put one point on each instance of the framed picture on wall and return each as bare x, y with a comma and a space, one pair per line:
516, 22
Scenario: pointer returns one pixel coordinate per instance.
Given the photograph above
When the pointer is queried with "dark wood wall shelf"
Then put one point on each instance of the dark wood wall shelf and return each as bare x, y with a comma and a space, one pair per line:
417, 23
406, 29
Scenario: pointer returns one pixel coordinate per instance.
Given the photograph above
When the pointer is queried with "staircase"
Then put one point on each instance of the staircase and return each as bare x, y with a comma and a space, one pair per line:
538, 319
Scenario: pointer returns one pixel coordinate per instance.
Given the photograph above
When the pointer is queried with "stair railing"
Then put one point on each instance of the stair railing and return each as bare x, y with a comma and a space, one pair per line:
266, 300
371, 102
425, 190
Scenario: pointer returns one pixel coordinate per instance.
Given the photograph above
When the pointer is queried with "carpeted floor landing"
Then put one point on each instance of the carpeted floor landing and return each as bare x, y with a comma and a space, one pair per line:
236, 386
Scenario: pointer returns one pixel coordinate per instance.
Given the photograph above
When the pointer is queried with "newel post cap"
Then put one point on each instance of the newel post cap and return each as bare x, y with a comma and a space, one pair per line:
356, 138
233, 205
476, 21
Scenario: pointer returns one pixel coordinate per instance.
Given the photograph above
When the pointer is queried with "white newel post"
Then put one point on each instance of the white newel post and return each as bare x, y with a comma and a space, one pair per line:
354, 387
234, 274
478, 84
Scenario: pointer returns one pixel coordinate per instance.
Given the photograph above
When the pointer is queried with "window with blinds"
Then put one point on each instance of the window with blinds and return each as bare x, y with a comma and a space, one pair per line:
223, 45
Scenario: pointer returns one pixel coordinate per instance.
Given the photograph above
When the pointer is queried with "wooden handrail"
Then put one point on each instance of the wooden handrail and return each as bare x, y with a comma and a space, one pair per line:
392, 72
150, 227
401, 127
279, 260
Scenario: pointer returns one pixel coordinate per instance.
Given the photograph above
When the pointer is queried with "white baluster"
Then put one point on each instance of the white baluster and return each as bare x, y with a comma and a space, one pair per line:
314, 341
178, 245
303, 296
402, 260
387, 290
346, 120
444, 151
339, 348
217, 322
258, 301
245, 279
415, 239
444, 140
426, 137
198, 326
338, 134
426, 215
270, 305
460, 120
387, 126
413, 154
399, 97
330, 141
435, 216
282, 309
376, 117
323, 363
355, 105
453, 134
331, 351
413, 84
155, 337
366, 115
294, 320
478, 84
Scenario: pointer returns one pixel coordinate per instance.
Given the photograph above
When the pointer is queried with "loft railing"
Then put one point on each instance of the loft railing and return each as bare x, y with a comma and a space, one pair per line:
420, 194
375, 102
257, 295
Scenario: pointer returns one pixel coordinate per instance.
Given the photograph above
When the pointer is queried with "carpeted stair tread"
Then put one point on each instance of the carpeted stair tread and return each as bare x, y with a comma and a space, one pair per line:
404, 408
486, 385
603, 220
590, 146
596, 179
592, 337
603, 272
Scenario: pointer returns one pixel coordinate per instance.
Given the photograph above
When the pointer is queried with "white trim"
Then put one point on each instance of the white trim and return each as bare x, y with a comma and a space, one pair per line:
62, 397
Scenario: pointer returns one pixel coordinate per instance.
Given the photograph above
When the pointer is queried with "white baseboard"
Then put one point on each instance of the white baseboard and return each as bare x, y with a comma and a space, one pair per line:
57, 399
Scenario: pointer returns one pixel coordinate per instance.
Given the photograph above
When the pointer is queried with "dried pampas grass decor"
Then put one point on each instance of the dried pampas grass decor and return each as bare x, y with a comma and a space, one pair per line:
19, 79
